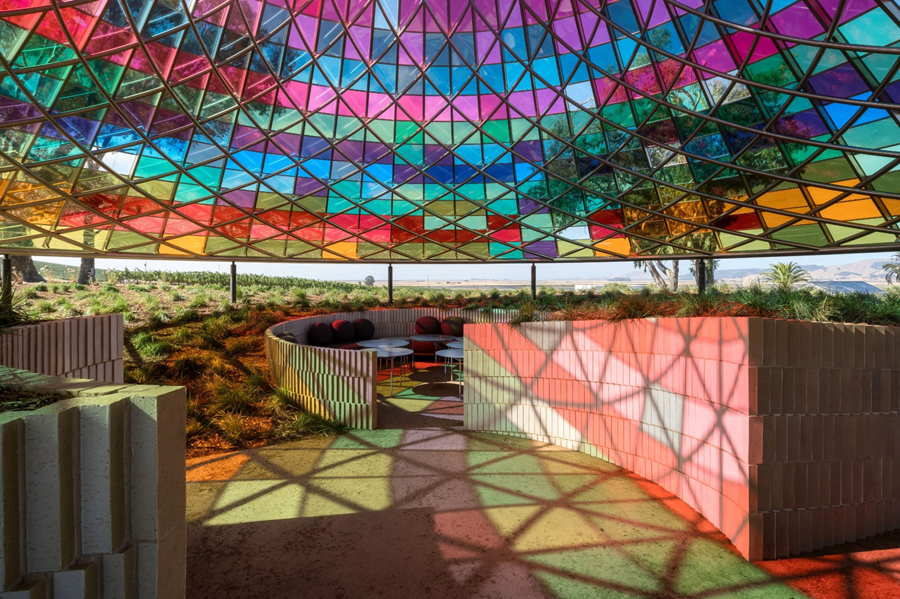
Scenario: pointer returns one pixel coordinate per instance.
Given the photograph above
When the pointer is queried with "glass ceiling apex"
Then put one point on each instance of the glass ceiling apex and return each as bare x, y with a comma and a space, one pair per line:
448, 130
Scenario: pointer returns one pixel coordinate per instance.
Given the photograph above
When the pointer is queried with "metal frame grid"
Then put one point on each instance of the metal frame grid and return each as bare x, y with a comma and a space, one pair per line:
448, 130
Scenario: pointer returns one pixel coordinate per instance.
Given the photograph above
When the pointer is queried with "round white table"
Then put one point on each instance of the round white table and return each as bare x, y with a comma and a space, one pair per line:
385, 342
454, 355
390, 353
433, 338
455, 345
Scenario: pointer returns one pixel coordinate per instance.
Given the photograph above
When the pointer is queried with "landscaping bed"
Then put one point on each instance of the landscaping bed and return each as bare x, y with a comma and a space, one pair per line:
189, 335
15, 400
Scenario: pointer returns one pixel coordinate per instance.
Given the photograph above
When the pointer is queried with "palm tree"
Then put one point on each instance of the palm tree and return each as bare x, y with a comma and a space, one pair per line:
785, 275
893, 270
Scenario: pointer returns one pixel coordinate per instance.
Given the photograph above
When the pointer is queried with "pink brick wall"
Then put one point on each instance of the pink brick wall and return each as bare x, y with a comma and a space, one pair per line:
88, 347
730, 414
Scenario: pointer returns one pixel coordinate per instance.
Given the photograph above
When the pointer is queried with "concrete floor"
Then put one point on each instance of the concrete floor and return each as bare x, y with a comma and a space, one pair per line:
424, 509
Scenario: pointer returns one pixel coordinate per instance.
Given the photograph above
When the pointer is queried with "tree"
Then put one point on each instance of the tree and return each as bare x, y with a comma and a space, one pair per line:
785, 275
370, 280
703, 241
893, 270
710, 266
658, 269
24, 265
87, 272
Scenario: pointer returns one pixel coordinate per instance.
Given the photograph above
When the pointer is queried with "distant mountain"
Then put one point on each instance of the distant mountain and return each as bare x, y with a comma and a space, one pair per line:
864, 270
869, 271
736, 274
63, 272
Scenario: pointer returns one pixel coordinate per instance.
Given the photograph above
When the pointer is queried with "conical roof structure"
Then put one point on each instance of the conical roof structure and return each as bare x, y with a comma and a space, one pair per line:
448, 130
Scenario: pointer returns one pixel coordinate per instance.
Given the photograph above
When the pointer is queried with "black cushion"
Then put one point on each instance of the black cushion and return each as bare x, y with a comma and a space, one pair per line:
428, 325
343, 331
364, 329
319, 334
452, 326
287, 337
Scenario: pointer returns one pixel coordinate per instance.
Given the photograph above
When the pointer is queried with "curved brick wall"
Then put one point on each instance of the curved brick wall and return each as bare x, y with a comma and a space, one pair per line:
785, 435
340, 383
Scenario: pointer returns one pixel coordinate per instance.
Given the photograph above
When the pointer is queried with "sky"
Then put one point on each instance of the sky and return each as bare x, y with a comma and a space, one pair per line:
337, 271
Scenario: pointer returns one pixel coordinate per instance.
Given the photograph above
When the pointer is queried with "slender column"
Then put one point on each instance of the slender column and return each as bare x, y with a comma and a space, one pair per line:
6, 273
701, 276
233, 283
390, 283
533, 281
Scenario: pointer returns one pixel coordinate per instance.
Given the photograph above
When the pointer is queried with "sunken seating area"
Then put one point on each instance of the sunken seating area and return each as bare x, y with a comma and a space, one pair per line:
330, 377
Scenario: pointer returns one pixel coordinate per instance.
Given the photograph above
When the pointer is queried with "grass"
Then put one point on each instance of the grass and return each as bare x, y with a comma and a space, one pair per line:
303, 424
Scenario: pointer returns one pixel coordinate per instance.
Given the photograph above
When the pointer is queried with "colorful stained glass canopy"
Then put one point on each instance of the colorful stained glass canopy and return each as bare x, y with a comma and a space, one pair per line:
448, 130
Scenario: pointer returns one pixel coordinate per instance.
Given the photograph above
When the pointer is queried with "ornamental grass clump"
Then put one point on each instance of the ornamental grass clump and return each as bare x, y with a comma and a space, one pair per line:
303, 424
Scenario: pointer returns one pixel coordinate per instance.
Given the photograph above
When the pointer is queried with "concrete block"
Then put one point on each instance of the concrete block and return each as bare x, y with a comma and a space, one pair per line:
103, 517
158, 491
76, 583
49, 446
10, 513
118, 575
36, 589
161, 566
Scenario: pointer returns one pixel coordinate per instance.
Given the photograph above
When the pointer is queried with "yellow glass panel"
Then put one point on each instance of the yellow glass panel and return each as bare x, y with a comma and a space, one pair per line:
190, 243
620, 246
342, 250
846, 210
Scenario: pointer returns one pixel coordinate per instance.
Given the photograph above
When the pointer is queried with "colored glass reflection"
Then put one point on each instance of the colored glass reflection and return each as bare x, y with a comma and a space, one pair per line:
447, 130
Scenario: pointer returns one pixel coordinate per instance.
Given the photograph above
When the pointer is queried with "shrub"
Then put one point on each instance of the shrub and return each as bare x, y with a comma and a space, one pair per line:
149, 347
194, 428
281, 400
183, 336
237, 346
229, 396
187, 366
303, 425
30, 293
45, 306
217, 327
42, 287
198, 301
232, 427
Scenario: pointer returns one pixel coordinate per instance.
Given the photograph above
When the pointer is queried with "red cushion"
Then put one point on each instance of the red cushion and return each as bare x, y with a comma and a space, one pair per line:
452, 326
428, 325
319, 334
343, 331
423, 347
364, 329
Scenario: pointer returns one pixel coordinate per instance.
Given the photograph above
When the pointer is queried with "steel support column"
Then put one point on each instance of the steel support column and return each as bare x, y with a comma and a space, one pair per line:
533, 281
390, 283
233, 283
6, 274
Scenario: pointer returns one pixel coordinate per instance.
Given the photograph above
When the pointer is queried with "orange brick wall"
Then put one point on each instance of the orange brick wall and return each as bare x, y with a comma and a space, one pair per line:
733, 415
